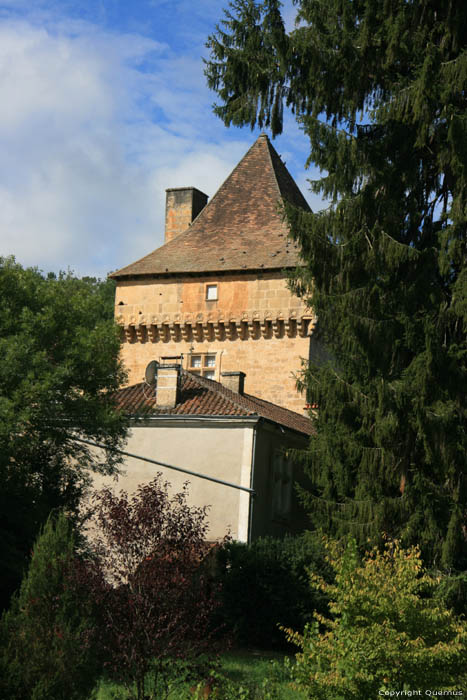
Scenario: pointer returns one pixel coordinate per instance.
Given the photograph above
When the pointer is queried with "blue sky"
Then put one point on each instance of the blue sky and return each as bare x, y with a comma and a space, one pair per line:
104, 106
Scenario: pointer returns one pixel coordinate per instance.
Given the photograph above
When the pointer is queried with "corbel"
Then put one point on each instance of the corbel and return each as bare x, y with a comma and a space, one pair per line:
290, 326
230, 330
153, 333
140, 333
208, 332
277, 328
219, 331
173, 330
186, 332
164, 332
129, 333
265, 329
198, 332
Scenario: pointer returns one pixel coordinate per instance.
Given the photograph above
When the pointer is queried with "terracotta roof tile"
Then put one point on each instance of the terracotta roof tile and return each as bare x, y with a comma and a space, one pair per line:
205, 397
240, 228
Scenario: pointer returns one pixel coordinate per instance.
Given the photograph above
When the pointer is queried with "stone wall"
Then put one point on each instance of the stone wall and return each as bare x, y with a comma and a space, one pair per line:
254, 325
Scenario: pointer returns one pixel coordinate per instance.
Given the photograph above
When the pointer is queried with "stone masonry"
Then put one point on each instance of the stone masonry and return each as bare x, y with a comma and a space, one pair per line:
216, 292
256, 324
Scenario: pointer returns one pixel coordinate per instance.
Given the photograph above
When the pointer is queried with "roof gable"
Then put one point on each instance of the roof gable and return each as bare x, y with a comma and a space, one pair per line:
241, 227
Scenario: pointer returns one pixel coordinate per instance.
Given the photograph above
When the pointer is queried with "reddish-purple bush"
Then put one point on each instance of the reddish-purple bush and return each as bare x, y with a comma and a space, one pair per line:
150, 579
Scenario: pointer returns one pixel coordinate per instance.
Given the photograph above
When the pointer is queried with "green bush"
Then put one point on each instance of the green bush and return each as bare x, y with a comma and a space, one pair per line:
46, 649
388, 632
265, 584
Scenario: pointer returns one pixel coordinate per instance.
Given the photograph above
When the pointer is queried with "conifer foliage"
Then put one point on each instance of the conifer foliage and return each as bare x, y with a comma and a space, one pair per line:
379, 88
47, 637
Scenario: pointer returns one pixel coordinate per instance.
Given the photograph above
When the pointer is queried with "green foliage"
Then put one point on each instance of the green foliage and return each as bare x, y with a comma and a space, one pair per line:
60, 363
46, 643
265, 583
379, 88
238, 674
387, 632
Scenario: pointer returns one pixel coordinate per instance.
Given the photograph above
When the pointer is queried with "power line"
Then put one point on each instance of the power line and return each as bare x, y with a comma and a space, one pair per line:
168, 466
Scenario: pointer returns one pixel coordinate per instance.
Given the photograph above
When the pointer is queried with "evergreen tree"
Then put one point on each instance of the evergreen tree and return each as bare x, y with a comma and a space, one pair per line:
47, 638
379, 88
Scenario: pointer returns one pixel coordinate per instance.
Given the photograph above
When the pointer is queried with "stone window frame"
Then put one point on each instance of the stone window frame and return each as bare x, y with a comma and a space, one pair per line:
205, 368
211, 286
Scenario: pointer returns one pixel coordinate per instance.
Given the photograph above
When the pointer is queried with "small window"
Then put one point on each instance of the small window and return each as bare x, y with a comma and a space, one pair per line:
195, 361
203, 364
211, 292
209, 360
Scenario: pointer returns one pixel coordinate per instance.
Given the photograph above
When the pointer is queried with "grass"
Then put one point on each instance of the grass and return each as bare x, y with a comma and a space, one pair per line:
246, 669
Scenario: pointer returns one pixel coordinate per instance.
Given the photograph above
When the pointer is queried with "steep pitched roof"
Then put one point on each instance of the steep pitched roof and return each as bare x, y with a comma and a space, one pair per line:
241, 228
204, 397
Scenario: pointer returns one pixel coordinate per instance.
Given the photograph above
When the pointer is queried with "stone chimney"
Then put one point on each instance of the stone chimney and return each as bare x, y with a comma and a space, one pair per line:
234, 381
167, 392
182, 205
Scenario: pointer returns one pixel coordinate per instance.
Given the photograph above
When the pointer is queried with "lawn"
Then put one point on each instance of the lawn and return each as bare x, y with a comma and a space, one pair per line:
241, 674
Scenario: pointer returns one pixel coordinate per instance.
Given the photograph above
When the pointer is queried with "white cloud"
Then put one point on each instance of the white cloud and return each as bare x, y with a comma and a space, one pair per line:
84, 166
94, 125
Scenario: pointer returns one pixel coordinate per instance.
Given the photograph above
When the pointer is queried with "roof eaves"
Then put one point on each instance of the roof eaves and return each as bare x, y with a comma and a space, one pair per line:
190, 273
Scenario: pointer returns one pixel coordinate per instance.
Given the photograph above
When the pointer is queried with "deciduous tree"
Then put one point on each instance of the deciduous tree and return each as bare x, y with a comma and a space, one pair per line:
379, 88
387, 633
150, 579
59, 350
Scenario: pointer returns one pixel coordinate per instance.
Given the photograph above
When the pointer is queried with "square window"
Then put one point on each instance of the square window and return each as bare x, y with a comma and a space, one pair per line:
195, 361
210, 361
211, 292
209, 374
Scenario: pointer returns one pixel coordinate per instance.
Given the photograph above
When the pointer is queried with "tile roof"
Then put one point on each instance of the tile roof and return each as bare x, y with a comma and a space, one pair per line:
241, 228
204, 397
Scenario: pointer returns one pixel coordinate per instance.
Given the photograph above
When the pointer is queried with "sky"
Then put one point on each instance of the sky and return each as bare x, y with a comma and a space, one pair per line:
104, 106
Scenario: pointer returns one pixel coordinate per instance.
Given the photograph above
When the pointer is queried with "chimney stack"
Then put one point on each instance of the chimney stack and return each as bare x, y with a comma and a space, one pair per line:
182, 205
234, 381
167, 392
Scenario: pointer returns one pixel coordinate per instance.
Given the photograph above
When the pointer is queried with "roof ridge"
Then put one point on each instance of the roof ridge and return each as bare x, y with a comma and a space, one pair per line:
269, 147
219, 188
220, 388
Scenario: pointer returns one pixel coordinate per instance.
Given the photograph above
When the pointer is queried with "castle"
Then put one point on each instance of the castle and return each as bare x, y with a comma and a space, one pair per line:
213, 339
216, 292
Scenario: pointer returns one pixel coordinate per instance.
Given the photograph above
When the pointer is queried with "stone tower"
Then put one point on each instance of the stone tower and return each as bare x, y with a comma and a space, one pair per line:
216, 291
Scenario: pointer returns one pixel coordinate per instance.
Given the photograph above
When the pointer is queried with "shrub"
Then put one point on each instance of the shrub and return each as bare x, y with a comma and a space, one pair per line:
46, 649
155, 596
266, 583
388, 632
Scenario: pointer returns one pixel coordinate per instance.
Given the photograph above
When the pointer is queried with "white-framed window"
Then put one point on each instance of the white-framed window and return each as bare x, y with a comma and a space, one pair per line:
282, 482
210, 360
203, 364
195, 361
211, 292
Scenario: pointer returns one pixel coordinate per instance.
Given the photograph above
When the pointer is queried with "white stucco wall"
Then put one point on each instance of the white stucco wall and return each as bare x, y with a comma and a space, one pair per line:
221, 449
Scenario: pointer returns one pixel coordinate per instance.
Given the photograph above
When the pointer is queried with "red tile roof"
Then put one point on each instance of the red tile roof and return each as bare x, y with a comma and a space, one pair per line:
205, 397
241, 228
